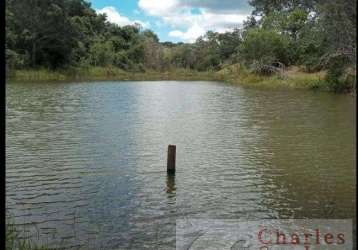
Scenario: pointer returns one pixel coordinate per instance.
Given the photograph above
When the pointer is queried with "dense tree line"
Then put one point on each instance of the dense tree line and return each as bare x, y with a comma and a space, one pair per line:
63, 33
317, 34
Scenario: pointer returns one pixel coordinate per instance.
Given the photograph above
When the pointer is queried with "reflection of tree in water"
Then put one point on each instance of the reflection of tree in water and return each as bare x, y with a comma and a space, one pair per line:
305, 154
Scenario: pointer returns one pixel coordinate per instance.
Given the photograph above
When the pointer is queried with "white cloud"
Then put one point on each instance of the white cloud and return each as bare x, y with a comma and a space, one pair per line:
162, 7
190, 19
190, 35
197, 25
223, 6
155, 8
113, 16
176, 33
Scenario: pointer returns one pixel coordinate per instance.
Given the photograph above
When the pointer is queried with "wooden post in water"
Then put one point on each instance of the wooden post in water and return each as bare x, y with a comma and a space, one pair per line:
171, 159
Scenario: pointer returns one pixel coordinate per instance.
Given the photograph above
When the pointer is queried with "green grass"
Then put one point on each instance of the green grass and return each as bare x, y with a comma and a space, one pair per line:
292, 78
35, 75
105, 73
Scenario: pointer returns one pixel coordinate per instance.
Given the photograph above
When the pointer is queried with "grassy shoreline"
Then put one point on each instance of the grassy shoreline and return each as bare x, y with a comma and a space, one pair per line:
105, 73
292, 78
13, 240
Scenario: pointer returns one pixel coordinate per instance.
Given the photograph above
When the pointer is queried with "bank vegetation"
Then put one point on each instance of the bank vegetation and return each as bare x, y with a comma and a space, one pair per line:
288, 43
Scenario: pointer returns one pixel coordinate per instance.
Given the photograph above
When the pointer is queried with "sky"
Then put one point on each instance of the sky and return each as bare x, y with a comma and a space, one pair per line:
176, 20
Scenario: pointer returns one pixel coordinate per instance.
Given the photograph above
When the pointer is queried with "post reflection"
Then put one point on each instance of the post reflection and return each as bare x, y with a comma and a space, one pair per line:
171, 188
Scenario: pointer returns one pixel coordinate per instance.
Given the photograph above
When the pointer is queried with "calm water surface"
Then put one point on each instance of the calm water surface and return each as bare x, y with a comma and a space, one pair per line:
86, 162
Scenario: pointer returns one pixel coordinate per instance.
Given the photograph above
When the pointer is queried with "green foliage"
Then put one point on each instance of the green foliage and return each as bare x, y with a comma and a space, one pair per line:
310, 48
290, 22
101, 53
265, 7
65, 35
337, 20
59, 34
264, 46
338, 79
338, 26
13, 59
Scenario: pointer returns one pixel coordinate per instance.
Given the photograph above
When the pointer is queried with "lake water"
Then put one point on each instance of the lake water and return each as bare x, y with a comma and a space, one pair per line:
86, 162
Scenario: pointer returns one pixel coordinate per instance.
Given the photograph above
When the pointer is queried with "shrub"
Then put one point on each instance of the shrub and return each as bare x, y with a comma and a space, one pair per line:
264, 46
339, 78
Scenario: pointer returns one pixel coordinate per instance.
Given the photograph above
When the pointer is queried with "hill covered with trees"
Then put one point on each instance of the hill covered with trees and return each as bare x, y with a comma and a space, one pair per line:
68, 35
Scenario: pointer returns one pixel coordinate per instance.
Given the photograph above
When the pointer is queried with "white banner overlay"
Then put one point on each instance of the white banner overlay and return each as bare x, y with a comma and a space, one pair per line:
200, 234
